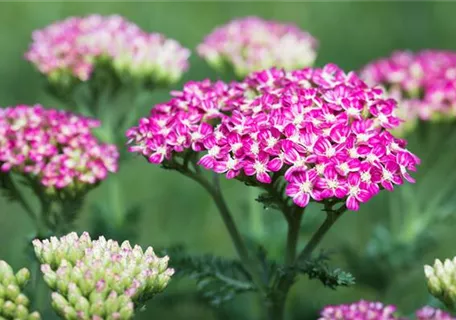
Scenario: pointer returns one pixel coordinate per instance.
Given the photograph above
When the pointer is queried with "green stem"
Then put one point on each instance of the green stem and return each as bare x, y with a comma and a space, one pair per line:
9, 183
239, 244
255, 214
294, 225
331, 218
116, 200
276, 303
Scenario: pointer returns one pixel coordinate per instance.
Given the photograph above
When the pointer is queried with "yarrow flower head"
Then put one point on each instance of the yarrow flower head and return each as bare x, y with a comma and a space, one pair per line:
441, 281
99, 279
324, 131
253, 44
429, 313
13, 303
424, 83
56, 148
72, 48
362, 310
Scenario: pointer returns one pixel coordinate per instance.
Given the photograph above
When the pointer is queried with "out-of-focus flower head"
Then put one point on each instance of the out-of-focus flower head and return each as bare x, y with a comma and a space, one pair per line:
429, 313
441, 281
253, 44
424, 83
326, 132
56, 148
362, 310
13, 303
73, 47
100, 279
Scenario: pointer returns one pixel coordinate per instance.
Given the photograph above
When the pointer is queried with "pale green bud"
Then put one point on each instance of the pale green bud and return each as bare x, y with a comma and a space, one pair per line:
34, 316
9, 309
127, 311
82, 304
97, 308
2, 291
21, 312
22, 300
12, 291
22, 277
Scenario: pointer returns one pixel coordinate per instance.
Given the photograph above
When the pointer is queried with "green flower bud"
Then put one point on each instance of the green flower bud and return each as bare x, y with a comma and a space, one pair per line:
2, 291
127, 311
9, 309
22, 277
22, 300
441, 281
12, 291
21, 312
83, 305
34, 316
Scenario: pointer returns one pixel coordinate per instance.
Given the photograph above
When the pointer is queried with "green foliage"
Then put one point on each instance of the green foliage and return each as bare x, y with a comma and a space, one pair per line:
318, 268
103, 224
218, 280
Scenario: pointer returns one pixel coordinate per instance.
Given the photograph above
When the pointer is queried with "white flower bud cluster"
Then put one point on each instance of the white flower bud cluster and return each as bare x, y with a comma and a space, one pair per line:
13, 303
441, 281
100, 279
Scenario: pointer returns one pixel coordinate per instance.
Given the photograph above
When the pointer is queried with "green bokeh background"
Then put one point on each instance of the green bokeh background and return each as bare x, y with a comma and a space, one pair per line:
177, 211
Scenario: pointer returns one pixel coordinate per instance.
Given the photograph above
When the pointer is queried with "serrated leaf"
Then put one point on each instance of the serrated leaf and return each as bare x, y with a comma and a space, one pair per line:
318, 268
218, 279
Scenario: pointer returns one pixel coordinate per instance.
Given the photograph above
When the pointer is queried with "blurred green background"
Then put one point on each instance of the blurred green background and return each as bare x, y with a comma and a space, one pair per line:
175, 209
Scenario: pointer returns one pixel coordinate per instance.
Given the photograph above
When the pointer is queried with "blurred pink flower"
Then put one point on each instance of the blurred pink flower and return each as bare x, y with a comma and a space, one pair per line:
73, 47
252, 44
56, 147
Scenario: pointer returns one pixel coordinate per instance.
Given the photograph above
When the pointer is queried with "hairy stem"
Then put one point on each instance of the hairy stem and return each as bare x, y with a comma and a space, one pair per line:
214, 190
255, 213
331, 218
294, 225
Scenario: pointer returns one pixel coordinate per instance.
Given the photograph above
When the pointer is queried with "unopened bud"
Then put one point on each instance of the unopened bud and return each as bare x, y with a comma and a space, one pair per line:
22, 277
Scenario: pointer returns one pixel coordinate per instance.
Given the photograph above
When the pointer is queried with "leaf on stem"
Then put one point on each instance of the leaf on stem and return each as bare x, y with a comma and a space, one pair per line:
318, 268
218, 279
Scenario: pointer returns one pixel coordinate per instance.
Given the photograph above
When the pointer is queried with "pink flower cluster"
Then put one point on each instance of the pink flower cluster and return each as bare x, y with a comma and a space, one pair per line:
56, 147
253, 44
429, 313
362, 310
324, 131
367, 310
73, 47
424, 83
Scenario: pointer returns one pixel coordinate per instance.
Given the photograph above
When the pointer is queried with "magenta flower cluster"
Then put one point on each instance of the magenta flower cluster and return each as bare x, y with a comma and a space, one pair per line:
253, 44
429, 313
74, 46
56, 147
324, 131
424, 83
367, 310
362, 310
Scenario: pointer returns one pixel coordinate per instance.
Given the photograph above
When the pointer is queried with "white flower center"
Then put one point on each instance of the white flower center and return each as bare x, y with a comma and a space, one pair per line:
386, 175
255, 148
332, 184
366, 177
214, 151
305, 187
231, 163
259, 167
330, 152
354, 190
271, 141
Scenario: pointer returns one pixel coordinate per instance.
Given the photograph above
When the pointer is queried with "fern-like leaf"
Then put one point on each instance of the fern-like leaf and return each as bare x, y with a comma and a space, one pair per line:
218, 279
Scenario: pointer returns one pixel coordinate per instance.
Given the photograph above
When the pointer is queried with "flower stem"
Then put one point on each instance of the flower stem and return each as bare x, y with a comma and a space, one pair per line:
255, 214
214, 190
8, 183
331, 218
